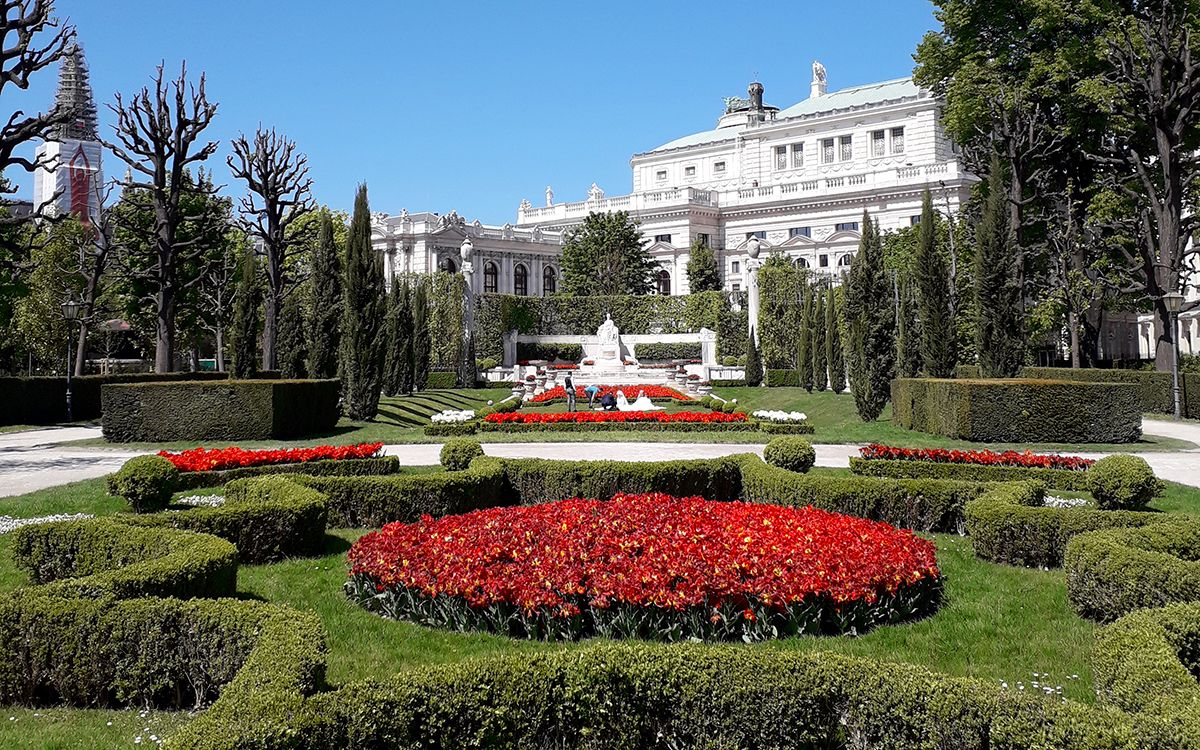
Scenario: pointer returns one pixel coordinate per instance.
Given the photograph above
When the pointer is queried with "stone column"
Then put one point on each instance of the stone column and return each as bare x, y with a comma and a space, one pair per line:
753, 248
466, 371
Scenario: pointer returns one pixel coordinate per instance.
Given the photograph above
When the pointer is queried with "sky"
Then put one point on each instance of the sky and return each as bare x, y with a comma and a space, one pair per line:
471, 107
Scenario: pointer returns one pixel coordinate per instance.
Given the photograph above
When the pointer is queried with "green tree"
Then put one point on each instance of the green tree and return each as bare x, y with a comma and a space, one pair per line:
833, 341
754, 368
403, 351
245, 317
805, 337
999, 322
422, 347
819, 363
38, 316
394, 364
702, 271
324, 337
870, 325
606, 255
908, 330
363, 305
291, 347
934, 307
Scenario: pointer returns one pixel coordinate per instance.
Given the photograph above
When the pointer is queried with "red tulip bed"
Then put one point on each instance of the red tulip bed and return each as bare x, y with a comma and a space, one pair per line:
534, 421
218, 459
646, 566
1024, 459
653, 392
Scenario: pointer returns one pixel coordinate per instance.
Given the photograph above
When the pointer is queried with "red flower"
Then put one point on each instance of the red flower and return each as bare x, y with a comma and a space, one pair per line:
652, 392
216, 459
590, 417
1025, 459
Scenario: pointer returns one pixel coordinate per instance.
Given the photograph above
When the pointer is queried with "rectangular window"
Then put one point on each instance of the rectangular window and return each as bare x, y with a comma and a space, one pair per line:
824, 261
660, 174
736, 267
703, 238
847, 148
898, 140
689, 171
737, 287
914, 220
878, 143
846, 226
827, 151
781, 157
663, 238
797, 155
762, 235
800, 232
719, 167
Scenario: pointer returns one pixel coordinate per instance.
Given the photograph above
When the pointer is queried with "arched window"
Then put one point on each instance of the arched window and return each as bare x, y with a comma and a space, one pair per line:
802, 263
549, 281
520, 280
663, 281
447, 264
846, 259
491, 276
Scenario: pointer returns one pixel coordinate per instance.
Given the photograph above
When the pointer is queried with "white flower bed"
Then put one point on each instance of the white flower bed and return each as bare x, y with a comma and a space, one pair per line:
8, 524
783, 417
453, 416
202, 501
1054, 501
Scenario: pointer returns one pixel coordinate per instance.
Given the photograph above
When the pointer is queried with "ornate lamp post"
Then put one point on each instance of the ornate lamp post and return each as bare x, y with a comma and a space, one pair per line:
466, 370
1174, 302
70, 313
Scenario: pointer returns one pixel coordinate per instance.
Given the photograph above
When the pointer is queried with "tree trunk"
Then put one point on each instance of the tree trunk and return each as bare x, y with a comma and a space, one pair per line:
270, 358
1164, 338
164, 333
81, 348
1073, 324
220, 354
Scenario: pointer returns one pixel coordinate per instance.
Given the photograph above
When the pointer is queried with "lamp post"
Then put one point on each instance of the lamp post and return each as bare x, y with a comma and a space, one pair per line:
753, 250
70, 312
1173, 301
467, 371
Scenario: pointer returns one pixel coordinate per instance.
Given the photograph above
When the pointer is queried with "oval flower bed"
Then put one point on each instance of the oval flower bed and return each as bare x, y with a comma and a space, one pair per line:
1024, 459
600, 417
653, 392
216, 459
646, 566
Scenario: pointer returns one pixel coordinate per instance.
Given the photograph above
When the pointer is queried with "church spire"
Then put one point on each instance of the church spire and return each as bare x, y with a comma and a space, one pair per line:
75, 96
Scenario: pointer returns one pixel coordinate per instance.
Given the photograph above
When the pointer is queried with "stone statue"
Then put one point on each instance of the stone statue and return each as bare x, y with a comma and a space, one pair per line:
818, 72
595, 193
608, 333
525, 205
549, 196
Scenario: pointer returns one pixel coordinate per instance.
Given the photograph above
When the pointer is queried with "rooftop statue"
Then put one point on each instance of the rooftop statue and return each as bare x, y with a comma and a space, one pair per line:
818, 72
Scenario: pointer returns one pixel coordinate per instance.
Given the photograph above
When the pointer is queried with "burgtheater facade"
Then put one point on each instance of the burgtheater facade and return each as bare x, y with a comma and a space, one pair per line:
798, 178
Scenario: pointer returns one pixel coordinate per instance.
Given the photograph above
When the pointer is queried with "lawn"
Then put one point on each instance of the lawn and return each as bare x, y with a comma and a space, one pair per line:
401, 419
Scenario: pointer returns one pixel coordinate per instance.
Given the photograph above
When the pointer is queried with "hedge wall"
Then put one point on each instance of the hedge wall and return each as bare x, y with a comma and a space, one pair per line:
1019, 411
43, 400
1059, 479
663, 352
342, 467
783, 379
228, 410
536, 480
550, 352
441, 380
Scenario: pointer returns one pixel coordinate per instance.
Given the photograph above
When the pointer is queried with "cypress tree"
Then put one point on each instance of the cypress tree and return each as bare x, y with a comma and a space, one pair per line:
702, 271
245, 318
324, 328
908, 337
870, 325
291, 348
404, 351
805, 337
833, 342
392, 365
363, 312
999, 329
820, 363
938, 334
754, 371
422, 342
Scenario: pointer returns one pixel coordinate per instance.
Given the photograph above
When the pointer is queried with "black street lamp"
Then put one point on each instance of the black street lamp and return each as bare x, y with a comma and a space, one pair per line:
1173, 301
70, 312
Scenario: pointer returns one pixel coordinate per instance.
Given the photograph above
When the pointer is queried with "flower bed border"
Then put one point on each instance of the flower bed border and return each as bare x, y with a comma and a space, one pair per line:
977, 457
622, 427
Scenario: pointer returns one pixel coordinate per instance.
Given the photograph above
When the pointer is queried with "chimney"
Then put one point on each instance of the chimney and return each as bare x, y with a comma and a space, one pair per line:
756, 96
818, 87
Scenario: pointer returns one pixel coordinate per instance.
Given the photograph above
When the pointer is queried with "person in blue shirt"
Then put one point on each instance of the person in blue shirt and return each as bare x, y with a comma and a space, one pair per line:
592, 391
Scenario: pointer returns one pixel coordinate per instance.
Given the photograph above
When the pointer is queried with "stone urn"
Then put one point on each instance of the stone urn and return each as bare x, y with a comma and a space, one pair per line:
681, 376
551, 378
530, 385
541, 382
518, 390
693, 386
704, 389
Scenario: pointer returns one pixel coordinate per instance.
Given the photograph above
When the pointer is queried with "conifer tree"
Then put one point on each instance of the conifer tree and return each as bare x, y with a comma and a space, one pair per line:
364, 302
908, 335
404, 351
833, 341
323, 333
391, 363
292, 350
703, 274
422, 341
805, 337
999, 329
820, 363
754, 371
938, 333
245, 317
870, 325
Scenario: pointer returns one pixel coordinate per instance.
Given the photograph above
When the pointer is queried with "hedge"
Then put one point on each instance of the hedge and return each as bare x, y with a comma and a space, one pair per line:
1116, 571
1145, 662
783, 379
440, 381
535, 480
43, 400
550, 352
1018, 411
228, 410
1059, 479
784, 428
342, 467
458, 429
660, 352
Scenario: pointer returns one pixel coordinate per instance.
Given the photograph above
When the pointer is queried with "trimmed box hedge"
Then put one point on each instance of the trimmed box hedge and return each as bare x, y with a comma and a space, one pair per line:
1059, 479
227, 410
440, 381
534, 480
1019, 411
1155, 389
527, 351
782, 379
1145, 662
341, 467
663, 352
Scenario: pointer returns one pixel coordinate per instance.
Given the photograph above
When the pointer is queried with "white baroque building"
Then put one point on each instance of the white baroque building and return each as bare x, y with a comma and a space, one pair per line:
798, 178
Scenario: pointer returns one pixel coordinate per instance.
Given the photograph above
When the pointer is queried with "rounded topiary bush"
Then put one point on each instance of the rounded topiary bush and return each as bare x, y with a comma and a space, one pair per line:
457, 454
1122, 482
791, 453
147, 482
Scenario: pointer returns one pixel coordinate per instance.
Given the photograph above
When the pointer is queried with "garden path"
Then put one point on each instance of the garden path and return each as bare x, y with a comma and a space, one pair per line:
33, 459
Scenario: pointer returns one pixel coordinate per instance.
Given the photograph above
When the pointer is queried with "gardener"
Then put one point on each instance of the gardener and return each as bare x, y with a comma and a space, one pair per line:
592, 391
608, 402
569, 387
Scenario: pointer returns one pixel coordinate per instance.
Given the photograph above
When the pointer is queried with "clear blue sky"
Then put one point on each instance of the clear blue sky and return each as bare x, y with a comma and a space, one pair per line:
473, 106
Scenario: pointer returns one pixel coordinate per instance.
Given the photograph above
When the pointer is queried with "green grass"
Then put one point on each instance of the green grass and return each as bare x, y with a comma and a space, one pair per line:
75, 728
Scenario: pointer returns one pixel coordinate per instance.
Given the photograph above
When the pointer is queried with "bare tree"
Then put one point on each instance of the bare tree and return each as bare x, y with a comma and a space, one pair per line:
280, 193
1150, 150
31, 39
215, 291
158, 133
